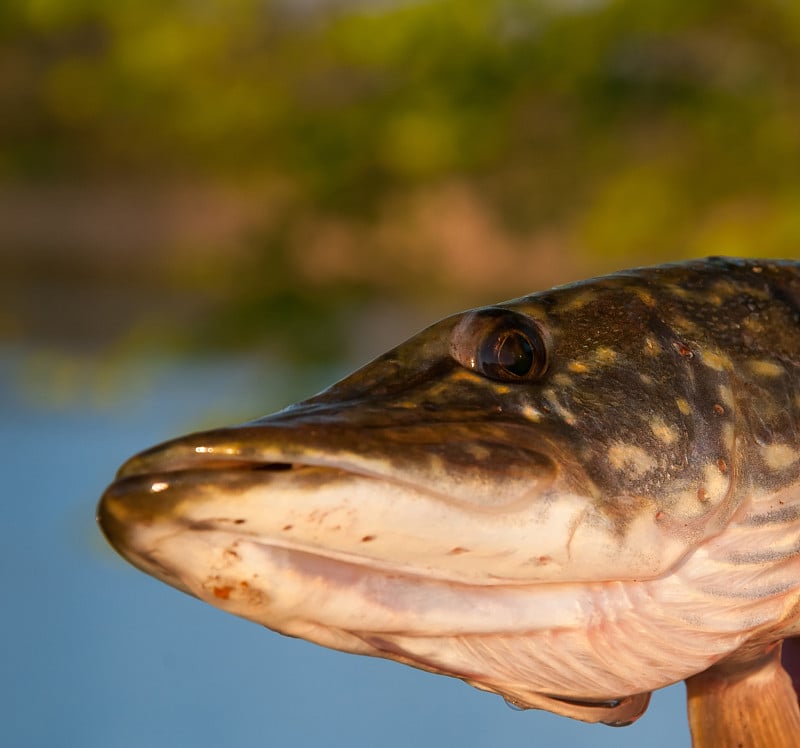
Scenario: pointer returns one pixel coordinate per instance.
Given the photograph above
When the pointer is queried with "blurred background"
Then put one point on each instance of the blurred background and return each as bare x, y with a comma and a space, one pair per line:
210, 209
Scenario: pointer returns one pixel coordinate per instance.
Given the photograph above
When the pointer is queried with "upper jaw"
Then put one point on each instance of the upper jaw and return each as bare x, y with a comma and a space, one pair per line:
219, 449
475, 464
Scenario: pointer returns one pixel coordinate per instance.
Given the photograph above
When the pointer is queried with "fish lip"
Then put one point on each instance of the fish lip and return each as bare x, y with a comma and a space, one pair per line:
152, 463
161, 464
201, 471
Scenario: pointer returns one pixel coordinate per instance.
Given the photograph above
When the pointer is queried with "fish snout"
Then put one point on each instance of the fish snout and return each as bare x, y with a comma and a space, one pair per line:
134, 516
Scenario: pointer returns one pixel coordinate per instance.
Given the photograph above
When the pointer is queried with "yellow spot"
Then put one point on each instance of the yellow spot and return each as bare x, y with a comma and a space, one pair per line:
464, 375
646, 297
436, 464
683, 406
577, 367
441, 389
502, 389
684, 324
663, 432
531, 413
604, 355
726, 395
479, 452
766, 368
558, 408
715, 483
754, 325
579, 300
646, 379
630, 458
159, 486
779, 456
716, 361
652, 347
728, 436
725, 289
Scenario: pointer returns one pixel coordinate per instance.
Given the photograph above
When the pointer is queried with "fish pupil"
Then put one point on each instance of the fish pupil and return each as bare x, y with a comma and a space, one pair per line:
514, 354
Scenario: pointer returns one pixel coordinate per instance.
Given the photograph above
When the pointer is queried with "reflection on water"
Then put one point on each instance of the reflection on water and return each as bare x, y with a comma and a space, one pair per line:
97, 654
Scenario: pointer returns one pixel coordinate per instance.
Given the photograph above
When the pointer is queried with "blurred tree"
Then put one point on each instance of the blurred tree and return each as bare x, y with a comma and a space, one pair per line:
404, 151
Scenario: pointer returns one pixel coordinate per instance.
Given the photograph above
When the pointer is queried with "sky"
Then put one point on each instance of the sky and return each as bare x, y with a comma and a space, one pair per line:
95, 653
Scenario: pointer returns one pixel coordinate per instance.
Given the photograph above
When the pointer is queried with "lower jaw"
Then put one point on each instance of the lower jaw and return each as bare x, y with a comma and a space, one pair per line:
574, 641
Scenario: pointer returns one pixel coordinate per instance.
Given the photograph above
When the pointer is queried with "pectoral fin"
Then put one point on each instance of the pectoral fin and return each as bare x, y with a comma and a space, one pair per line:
744, 705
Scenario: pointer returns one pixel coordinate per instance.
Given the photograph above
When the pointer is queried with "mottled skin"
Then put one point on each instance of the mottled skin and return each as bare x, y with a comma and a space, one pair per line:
619, 515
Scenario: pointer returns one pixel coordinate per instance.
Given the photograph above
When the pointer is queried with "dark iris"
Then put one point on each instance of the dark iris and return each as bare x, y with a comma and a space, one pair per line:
501, 344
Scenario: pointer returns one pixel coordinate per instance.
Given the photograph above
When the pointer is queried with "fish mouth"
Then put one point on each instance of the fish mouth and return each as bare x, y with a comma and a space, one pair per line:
248, 531
464, 502
429, 557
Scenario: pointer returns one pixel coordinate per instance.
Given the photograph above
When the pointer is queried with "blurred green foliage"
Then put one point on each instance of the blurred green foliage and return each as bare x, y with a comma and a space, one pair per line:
447, 150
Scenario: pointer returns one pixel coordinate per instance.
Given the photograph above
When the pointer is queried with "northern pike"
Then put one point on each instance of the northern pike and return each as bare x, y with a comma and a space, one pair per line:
569, 499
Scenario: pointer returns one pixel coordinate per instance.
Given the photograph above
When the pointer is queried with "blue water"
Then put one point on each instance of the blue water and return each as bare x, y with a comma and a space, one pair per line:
95, 653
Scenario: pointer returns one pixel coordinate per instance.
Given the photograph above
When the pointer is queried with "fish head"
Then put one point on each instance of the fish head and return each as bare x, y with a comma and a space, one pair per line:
490, 500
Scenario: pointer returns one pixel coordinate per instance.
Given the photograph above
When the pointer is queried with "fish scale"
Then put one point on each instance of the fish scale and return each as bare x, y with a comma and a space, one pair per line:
569, 499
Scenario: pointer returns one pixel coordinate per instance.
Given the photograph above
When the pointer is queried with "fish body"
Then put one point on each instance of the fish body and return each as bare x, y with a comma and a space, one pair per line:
569, 499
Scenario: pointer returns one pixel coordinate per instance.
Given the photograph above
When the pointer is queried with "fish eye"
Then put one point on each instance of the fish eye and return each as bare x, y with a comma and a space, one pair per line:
509, 354
500, 344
